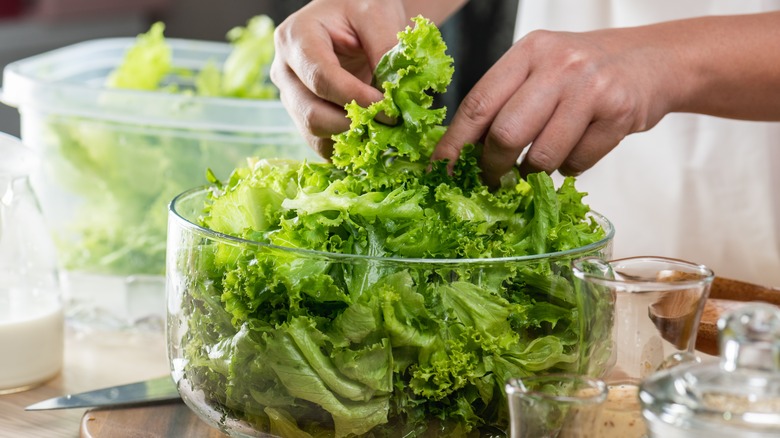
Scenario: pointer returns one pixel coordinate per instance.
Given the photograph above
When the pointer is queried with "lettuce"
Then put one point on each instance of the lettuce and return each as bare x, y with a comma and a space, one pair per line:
145, 64
325, 345
125, 173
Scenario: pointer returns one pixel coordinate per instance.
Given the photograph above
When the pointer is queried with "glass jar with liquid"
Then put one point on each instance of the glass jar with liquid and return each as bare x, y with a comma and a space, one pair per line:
31, 314
739, 396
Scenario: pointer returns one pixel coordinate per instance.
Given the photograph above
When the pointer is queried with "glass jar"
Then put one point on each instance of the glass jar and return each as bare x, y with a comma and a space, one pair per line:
271, 340
658, 303
31, 317
739, 396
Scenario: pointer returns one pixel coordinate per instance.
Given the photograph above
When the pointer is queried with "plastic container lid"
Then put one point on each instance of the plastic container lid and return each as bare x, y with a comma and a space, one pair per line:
70, 81
739, 396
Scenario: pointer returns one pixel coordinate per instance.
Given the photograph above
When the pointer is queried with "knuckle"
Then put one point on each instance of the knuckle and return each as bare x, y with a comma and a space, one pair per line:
322, 146
539, 39
318, 81
502, 138
308, 119
542, 158
573, 167
625, 112
275, 72
475, 106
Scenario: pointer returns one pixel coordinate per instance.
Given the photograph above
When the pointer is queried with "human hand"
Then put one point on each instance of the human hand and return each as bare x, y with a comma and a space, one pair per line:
571, 96
326, 53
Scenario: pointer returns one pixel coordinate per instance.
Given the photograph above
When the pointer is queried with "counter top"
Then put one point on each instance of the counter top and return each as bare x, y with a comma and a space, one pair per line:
93, 359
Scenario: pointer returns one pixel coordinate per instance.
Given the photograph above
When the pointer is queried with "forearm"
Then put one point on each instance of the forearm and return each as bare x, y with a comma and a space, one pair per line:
436, 10
729, 66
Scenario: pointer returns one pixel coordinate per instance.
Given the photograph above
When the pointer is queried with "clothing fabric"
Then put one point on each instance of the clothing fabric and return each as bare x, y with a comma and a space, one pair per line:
695, 187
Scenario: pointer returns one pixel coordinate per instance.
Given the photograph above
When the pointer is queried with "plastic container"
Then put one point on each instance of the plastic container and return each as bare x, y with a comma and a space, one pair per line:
353, 358
113, 159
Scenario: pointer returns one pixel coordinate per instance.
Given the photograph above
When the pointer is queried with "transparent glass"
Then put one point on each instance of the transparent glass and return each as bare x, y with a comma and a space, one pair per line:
337, 345
555, 406
739, 396
658, 304
31, 317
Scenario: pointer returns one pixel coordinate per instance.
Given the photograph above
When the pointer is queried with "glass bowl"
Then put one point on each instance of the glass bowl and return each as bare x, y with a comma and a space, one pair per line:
271, 341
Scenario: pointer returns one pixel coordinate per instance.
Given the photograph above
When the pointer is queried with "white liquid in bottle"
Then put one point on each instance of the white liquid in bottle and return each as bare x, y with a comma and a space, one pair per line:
31, 338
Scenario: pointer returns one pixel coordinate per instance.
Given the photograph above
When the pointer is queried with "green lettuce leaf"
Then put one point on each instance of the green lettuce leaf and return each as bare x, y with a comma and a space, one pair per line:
384, 345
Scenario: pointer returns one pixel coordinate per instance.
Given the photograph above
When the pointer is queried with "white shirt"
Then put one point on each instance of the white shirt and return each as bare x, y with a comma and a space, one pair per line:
695, 187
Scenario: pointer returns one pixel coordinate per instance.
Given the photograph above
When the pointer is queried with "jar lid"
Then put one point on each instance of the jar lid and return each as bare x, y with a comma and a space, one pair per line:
738, 396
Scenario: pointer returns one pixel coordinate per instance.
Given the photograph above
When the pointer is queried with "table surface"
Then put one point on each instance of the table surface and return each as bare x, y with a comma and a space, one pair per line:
93, 359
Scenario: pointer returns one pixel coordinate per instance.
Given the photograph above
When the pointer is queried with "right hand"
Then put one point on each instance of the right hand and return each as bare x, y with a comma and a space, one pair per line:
326, 53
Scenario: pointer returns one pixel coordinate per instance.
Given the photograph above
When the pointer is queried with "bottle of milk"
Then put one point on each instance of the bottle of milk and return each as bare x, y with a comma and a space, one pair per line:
31, 315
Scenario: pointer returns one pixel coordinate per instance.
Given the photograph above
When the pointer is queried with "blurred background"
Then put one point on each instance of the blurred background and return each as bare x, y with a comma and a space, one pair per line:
476, 36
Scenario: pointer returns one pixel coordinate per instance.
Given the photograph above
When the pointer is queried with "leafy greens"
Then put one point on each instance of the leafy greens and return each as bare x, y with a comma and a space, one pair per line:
301, 343
124, 172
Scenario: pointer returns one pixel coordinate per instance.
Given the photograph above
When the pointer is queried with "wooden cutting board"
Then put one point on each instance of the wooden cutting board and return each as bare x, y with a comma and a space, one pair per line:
162, 420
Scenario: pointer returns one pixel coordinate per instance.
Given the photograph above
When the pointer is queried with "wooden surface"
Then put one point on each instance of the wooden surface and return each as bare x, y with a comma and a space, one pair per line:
172, 419
92, 360
726, 295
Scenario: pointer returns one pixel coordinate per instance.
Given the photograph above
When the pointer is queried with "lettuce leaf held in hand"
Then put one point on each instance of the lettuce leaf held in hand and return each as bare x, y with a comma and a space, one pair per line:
381, 345
416, 66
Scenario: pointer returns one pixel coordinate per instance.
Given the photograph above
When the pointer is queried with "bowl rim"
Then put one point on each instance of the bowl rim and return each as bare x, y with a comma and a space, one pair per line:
174, 214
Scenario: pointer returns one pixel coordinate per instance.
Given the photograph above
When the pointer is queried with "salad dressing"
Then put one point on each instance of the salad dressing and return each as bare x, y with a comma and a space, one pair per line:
619, 417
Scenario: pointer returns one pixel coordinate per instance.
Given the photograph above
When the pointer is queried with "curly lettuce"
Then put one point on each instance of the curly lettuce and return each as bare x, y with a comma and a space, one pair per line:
125, 173
303, 343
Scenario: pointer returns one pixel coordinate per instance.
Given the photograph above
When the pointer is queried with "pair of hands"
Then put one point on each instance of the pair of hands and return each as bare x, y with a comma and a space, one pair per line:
568, 98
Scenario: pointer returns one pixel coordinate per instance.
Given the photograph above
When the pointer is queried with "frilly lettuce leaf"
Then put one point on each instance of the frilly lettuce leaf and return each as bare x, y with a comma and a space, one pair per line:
145, 64
417, 65
246, 68
363, 345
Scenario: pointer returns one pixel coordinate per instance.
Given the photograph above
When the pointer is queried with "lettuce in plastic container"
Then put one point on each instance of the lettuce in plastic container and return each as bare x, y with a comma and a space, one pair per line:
302, 346
125, 173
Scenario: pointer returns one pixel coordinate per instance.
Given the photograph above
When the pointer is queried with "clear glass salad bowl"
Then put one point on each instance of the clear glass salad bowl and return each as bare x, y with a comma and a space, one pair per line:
272, 341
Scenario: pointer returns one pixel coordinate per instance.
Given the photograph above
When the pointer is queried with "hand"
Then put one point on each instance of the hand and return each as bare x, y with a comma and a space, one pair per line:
571, 96
325, 56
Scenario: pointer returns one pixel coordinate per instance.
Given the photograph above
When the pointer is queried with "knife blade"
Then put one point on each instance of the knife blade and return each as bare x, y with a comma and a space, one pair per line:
154, 390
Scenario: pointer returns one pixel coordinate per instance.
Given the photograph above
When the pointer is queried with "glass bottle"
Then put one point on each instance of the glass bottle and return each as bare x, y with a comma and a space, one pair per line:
31, 308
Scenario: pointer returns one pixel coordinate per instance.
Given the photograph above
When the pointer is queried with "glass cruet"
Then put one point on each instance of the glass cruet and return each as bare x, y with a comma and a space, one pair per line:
739, 396
31, 315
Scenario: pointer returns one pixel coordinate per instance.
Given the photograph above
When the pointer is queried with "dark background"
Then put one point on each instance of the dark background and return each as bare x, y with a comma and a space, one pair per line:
476, 36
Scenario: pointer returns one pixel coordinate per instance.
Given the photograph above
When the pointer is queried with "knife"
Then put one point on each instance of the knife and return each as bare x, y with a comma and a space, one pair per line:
155, 390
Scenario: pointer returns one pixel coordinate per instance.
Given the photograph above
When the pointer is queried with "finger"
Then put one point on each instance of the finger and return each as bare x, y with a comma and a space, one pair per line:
317, 116
516, 126
558, 137
317, 67
317, 119
480, 106
597, 141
